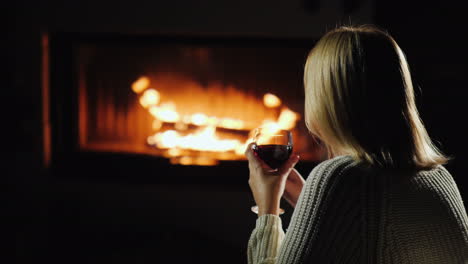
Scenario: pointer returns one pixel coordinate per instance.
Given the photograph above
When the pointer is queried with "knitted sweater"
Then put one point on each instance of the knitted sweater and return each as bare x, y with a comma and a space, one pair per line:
350, 214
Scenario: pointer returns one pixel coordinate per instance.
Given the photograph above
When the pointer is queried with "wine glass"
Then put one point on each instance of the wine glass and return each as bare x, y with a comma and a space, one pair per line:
274, 147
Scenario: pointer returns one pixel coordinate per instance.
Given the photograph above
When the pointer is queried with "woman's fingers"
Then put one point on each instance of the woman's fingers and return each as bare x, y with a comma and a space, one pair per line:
289, 164
255, 161
249, 150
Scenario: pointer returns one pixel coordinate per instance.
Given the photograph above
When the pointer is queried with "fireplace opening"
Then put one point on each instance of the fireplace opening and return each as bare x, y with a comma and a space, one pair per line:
185, 100
194, 102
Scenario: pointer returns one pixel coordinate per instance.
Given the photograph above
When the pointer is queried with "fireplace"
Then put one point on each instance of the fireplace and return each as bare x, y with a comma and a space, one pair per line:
176, 100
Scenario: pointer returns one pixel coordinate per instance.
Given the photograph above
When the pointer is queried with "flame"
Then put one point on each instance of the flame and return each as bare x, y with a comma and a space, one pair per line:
235, 112
201, 161
166, 112
141, 84
287, 119
166, 139
240, 150
199, 119
150, 97
270, 127
174, 152
271, 100
231, 123
204, 140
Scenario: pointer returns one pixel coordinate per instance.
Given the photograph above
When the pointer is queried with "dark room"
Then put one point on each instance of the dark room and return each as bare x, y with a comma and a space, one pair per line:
300, 131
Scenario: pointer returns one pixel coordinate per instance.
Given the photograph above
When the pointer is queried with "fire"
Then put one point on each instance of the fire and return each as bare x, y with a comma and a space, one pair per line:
167, 139
200, 160
204, 140
141, 84
199, 119
231, 123
150, 97
165, 113
270, 126
287, 119
271, 100
210, 130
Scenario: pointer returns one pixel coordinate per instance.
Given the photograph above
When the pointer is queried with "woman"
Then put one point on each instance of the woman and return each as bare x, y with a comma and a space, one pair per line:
384, 195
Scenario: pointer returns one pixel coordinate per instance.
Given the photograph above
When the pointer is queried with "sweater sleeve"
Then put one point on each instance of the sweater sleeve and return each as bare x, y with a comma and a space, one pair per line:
323, 216
269, 245
265, 240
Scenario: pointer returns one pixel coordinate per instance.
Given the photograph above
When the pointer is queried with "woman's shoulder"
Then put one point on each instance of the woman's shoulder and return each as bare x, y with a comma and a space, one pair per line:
336, 163
434, 179
334, 166
345, 163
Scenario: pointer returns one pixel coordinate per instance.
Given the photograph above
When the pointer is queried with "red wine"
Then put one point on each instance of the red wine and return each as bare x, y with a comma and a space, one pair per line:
274, 155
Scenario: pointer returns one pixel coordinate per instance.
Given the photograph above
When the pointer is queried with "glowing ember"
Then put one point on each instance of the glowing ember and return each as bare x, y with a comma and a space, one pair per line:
165, 112
167, 139
271, 100
157, 124
150, 97
287, 119
200, 161
231, 123
141, 84
174, 152
199, 119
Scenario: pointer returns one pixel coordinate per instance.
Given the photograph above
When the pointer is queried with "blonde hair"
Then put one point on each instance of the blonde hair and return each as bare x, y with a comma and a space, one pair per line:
359, 100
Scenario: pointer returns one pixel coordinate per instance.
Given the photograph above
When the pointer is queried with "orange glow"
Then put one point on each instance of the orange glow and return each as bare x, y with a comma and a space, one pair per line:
166, 112
231, 123
199, 119
204, 140
157, 124
240, 150
151, 141
194, 119
181, 126
287, 119
270, 127
271, 100
212, 121
167, 139
150, 97
204, 161
141, 84
186, 160
215, 101
199, 161
174, 152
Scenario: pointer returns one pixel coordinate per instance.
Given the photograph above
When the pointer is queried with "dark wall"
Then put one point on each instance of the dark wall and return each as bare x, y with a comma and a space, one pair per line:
84, 221
433, 38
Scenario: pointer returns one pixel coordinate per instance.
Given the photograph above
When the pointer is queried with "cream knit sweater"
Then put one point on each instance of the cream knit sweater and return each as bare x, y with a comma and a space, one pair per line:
349, 214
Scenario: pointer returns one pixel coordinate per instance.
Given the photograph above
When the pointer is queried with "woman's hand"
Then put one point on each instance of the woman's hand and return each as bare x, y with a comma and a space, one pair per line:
294, 185
268, 185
